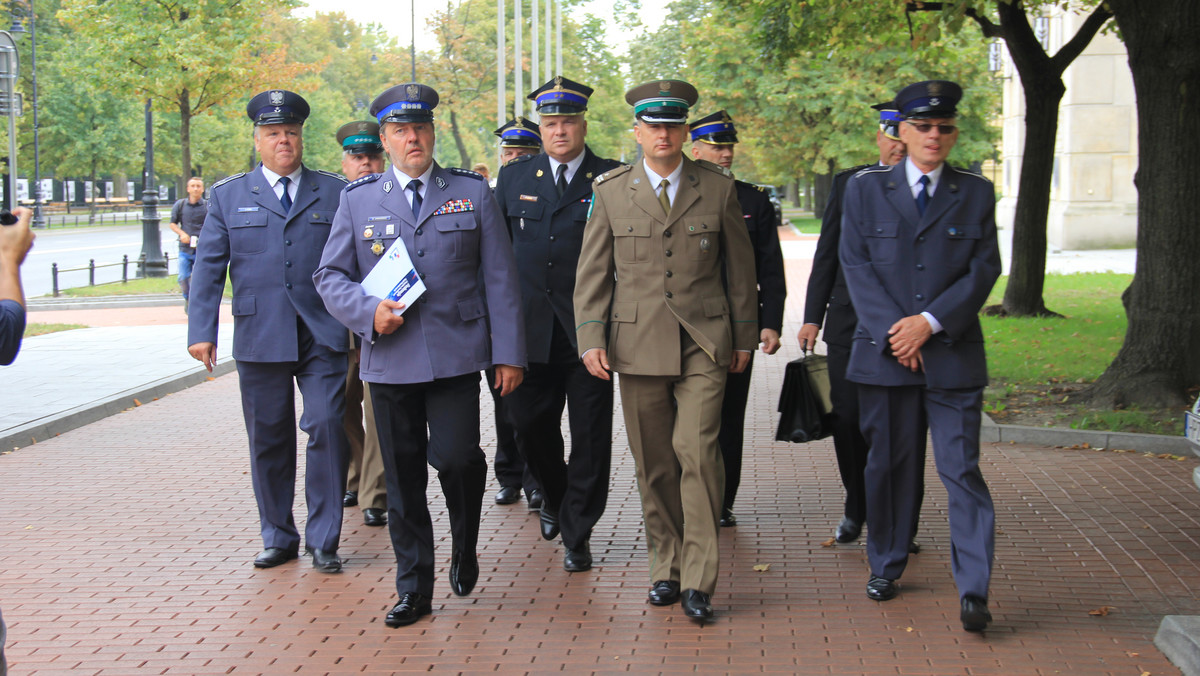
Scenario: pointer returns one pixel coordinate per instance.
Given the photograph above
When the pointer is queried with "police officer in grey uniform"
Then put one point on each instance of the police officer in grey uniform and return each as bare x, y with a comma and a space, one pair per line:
545, 199
423, 366
268, 227
920, 256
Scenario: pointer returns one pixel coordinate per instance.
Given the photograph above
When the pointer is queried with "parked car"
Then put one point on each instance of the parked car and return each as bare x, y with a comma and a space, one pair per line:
773, 194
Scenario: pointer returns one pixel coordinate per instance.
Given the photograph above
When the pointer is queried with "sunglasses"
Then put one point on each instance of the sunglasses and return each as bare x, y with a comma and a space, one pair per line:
925, 127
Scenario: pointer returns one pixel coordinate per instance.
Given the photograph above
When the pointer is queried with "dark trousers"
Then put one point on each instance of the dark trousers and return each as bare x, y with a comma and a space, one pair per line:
848, 441
733, 424
268, 405
435, 423
892, 420
508, 465
576, 488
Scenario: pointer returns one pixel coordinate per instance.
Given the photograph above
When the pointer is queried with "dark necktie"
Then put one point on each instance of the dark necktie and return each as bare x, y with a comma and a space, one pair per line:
415, 184
561, 183
285, 199
923, 196
663, 198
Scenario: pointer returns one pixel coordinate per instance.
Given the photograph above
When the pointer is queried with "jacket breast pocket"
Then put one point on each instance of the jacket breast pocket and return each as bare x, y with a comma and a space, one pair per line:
631, 239
959, 242
321, 218
882, 238
522, 217
248, 233
703, 238
458, 236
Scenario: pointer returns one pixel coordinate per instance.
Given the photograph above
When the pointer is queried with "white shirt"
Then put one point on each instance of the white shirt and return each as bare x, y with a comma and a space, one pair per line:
277, 187
572, 167
656, 180
913, 175
404, 179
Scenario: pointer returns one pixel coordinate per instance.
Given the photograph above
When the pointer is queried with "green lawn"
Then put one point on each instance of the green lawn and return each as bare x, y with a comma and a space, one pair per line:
138, 286
808, 226
43, 329
1036, 364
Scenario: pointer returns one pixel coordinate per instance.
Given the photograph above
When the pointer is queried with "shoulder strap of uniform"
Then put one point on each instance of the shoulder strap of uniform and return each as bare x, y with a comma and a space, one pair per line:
331, 175
852, 170
369, 178
715, 168
225, 180
465, 172
611, 173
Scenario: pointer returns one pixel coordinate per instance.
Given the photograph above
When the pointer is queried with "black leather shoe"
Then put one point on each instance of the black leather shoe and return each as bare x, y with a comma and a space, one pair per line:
549, 522
728, 520
325, 560
579, 559
507, 495
411, 608
881, 588
696, 605
914, 547
848, 530
975, 615
373, 516
464, 572
535, 499
273, 556
663, 593
350, 499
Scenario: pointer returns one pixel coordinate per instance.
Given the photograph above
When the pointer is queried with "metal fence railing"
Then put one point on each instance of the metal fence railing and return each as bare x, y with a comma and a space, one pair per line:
91, 268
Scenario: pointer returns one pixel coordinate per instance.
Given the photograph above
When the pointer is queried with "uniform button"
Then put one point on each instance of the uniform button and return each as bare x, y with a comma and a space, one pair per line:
629, 228
921, 238
287, 264
667, 253
287, 242
670, 295
704, 226
953, 231
422, 275
879, 230
552, 238
549, 292
549, 264
667, 233
288, 285
419, 231
420, 252
920, 296
669, 273
920, 266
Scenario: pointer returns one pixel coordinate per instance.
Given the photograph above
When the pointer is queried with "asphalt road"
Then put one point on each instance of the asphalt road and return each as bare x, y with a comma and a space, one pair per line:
74, 247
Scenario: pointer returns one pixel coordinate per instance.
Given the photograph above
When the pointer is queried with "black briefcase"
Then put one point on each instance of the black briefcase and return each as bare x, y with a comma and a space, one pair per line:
804, 403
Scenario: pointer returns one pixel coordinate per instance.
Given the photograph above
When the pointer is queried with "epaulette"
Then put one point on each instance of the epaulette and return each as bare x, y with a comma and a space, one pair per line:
852, 170
466, 172
520, 159
369, 178
331, 175
611, 173
716, 168
874, 169
226, 180
964, 172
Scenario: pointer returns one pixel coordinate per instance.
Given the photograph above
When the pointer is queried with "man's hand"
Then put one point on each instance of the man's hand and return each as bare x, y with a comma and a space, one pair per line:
16, 240
596, 362
907, 336
385, 321
913, 364
508, 378
205, 353
740, 361
770, 341
807, 337
185, 239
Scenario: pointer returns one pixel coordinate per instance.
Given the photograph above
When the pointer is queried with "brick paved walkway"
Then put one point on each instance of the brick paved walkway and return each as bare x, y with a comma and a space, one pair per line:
125, 548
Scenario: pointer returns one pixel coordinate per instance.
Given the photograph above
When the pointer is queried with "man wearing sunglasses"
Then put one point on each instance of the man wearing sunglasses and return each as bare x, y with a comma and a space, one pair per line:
920, 256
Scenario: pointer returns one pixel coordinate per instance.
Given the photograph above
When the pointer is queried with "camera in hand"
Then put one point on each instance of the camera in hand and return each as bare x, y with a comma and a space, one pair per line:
7, 218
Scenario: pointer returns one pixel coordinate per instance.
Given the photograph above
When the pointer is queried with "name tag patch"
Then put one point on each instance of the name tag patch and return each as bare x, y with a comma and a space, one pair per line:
529, 198
246, 210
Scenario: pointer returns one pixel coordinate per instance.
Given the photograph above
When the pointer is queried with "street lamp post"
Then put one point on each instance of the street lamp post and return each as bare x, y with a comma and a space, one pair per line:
153, 264
39, 219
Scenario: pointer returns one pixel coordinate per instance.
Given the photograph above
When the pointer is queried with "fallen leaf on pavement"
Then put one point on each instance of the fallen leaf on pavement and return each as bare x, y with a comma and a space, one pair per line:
831, 542
762, 567
1102, 611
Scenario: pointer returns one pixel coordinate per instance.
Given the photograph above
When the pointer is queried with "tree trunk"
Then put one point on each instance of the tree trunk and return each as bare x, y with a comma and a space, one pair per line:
1160, 358
794, 189
1027, 273
822, 184
185, 141
458, 141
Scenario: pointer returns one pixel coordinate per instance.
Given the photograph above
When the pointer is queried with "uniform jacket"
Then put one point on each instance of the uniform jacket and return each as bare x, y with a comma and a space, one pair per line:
642, 274
759, 216
547, 234
271, 256
899, 264
826, 283
460, 248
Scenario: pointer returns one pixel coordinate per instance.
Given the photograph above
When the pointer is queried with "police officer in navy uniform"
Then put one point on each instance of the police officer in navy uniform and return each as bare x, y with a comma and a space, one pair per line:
827, 289
545, 199
267, 228
362, 155
713, 139
423, 366
518, 137
920, 256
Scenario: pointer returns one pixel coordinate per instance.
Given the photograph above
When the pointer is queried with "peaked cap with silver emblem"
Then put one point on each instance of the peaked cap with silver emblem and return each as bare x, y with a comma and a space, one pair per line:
662, 101
277, 106
410, 102
932, 98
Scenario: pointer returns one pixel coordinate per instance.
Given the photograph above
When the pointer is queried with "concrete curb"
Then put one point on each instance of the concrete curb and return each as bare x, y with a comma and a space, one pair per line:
1178, 638
65, 421
105, 302
1057, 436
